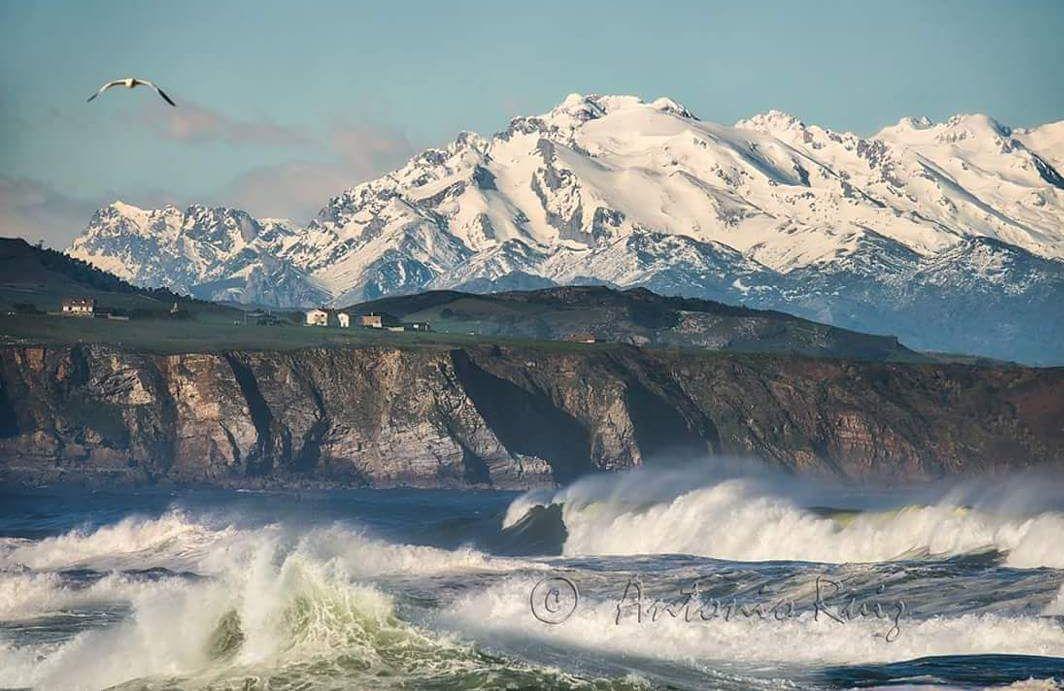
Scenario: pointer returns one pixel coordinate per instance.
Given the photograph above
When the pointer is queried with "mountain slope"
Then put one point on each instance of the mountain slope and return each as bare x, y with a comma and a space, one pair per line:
217, 254
861, 232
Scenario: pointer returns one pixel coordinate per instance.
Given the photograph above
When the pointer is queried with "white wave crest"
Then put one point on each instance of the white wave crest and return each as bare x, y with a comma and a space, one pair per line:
282, 620
29, 595
758, 519
173, 540
275, 596
178, 542
367, 556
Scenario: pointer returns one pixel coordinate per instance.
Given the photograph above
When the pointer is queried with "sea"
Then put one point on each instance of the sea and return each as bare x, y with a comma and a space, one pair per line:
715, 575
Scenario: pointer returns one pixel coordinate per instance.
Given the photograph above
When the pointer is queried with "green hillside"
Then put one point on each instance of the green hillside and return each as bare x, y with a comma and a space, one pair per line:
636, 317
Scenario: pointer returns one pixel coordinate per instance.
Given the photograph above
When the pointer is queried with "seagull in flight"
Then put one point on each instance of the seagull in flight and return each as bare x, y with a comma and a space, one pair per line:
129, 83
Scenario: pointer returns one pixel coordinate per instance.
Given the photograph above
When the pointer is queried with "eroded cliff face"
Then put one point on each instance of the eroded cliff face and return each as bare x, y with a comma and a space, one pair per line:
504, 417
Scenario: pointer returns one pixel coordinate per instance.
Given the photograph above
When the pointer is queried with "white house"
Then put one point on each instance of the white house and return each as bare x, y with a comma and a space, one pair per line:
317, 317
80, 307
344, 318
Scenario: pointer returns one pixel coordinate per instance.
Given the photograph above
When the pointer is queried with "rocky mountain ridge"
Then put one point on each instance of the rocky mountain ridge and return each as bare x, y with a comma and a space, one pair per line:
963, 220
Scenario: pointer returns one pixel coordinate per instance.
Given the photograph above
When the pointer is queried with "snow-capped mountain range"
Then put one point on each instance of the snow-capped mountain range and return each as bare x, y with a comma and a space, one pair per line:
949, 235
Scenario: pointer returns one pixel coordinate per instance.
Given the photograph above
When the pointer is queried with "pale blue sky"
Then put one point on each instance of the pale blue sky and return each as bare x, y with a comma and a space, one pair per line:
282, 105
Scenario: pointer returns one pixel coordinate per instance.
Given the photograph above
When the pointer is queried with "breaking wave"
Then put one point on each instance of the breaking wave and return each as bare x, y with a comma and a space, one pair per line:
282, 607
194, 600
171, 541
177, 542
760, 518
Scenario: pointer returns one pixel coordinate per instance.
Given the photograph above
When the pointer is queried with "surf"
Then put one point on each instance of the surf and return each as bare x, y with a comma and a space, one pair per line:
283, 606
285, 591
769, 517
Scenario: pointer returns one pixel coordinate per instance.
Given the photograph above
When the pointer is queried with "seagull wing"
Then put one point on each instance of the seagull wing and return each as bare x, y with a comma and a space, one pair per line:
105, 87
158, 91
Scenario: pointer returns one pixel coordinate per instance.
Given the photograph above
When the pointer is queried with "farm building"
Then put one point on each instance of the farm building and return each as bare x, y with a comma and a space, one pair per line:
344, 319
372, 320
79, 307
317, 317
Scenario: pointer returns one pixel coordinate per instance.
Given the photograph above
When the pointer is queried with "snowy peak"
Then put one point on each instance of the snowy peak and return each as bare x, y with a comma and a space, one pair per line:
771, 122
562, 121
1047, 141
128, 218
227, 230
612, 188
581, 108
198, 246
578, 108
958, 128
667, 105
921, 122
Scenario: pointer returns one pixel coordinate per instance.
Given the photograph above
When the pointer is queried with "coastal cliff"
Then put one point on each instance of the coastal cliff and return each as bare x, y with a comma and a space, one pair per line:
504, 416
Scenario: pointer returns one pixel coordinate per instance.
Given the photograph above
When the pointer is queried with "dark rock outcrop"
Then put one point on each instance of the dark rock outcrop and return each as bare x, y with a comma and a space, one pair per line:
505, 416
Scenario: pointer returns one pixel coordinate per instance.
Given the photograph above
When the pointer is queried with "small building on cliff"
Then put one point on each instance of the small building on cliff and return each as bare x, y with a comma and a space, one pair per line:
372, 320
78, 307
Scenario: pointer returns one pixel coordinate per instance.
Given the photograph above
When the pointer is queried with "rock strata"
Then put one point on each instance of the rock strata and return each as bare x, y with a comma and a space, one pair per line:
504, 416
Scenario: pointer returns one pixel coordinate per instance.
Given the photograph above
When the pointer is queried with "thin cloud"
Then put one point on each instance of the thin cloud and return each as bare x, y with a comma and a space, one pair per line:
192, 123
299, 189
368, 150
38, 212
295, 189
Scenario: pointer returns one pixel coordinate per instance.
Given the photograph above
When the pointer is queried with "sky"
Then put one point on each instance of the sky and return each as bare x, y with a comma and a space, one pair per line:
282, 105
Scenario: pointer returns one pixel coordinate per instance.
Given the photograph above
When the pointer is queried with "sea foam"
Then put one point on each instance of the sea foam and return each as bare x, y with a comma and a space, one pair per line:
765, 517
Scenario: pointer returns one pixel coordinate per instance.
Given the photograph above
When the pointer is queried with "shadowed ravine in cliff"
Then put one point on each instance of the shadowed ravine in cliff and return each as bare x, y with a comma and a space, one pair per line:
258, 458
505, 416
525, 421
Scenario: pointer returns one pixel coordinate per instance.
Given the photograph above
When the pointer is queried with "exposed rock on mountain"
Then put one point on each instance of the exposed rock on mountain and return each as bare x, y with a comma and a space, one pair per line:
217, 254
